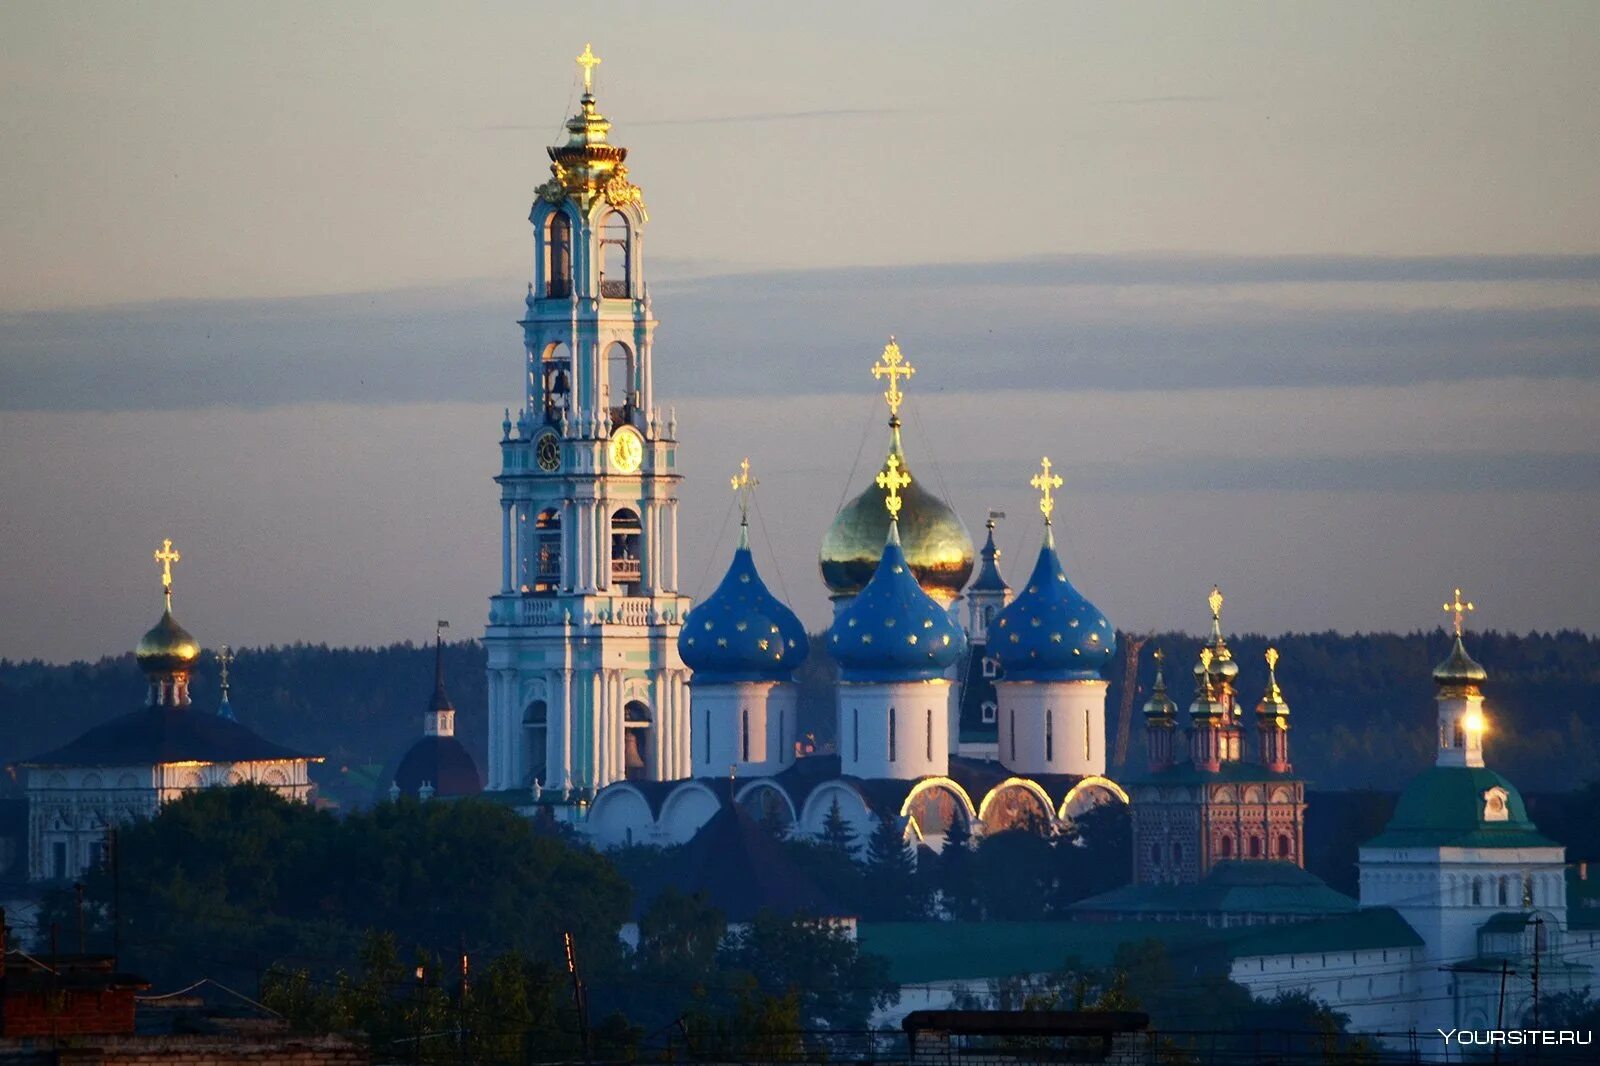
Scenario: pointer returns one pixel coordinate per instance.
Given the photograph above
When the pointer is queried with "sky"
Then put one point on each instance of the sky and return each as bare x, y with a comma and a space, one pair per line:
1303, 300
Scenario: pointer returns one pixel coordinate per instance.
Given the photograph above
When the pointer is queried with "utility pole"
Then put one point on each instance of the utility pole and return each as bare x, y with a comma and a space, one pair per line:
1538, 945
1504, 971
580, 996
1130, 684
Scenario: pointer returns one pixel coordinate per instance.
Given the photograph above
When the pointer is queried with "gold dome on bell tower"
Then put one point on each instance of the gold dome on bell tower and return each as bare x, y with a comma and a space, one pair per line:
935, 541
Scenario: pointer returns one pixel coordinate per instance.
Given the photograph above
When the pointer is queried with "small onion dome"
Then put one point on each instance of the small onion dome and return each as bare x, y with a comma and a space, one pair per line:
893, 630
1207, 701
1272, 702
1160, 705
1050, 632
934, 540
742, 632
1459, 670
989, 579
167, 646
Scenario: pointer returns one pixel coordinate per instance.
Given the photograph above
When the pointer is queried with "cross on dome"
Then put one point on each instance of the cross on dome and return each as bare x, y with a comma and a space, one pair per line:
1458, 609
892, 479
1045, 481
1215, 600
744, 485
166, 557
893, 366
225, 659
588, 61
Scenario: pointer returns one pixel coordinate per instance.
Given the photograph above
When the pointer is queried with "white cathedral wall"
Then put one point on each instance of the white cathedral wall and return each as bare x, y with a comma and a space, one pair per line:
1052, 727
727, 716
897, 729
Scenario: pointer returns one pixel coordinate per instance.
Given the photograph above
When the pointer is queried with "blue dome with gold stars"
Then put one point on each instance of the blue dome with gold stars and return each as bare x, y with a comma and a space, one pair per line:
892, 630
742, 632
1050, 632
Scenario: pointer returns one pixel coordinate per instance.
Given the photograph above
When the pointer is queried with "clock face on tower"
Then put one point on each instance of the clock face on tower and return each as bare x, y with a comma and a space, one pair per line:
549, 452
627, 450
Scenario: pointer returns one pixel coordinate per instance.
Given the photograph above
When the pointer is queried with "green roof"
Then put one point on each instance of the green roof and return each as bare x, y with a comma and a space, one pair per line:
947, 951
1444, 806
1236, 886
1363, 930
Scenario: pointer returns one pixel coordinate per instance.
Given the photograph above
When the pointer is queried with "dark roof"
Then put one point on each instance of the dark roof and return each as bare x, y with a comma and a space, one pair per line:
1444, 806
1187, 773
1507, 922
1362, 930
442, 762
741, 870
1236, 886
1026, 1022
165, 734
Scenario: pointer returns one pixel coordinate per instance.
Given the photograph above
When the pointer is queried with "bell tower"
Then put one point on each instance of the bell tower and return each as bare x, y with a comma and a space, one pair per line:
585, 683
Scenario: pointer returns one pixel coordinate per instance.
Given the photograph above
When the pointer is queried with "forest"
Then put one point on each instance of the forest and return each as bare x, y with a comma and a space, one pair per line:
1361, 704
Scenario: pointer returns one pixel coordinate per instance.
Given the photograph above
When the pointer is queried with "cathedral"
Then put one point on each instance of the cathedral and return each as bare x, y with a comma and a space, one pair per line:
620, 707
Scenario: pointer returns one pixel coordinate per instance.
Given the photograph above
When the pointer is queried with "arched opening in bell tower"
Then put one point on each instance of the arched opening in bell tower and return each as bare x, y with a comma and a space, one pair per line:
547, 551
556, 371
535, 724
621, 397
614, 256
558, 255
638, 729
627, 536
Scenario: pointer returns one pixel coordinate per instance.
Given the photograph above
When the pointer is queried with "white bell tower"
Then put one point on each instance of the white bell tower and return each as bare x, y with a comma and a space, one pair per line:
585, 683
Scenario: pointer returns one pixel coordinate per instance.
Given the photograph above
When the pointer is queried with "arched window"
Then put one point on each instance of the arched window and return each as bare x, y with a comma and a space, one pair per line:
621, 392
1225, 847
855, 733
535, 722
1255, 847
1088, 737
1527, 890
1177, 854
547, 552
708, 737
1155, 854
626, 537
1505, 892
1284, 846
892, 724
1477, 891
1013, 734
614, 256
782, 747
744, 735
639, 740
558, 255
1049, 736
928, 755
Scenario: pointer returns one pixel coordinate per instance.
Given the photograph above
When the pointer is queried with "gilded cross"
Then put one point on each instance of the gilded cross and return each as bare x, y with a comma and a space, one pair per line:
225, 659
1272, 659
892, 479
1459, 609
588, 61
744, 485
166, 557
1045, 481
1215, 600
893, 366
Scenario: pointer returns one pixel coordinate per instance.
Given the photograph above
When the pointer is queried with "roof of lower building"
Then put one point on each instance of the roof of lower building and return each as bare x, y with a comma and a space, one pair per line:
1447, 806
1236, 886
441, 762
1186, 772
1368, 929
166, 734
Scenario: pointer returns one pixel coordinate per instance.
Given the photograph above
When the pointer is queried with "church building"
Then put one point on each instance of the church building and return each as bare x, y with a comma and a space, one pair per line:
129, 767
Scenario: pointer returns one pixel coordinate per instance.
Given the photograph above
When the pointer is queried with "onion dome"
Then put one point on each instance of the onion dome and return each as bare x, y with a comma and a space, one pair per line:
892, 630
1051, 632
742, 632
1272, 704
934, 540
167, 647
1459, 670
989, 579
587, 167
1160, 705
1207, 701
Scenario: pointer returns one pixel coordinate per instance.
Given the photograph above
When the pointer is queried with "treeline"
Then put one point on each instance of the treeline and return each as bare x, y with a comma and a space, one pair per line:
1361, 704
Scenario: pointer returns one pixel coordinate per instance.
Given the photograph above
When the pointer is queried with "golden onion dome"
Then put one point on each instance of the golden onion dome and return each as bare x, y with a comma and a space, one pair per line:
167, 646
1459, 670
935, 540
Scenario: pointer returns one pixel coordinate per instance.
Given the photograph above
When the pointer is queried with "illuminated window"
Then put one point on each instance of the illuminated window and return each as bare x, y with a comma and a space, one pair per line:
614, 256
558, 255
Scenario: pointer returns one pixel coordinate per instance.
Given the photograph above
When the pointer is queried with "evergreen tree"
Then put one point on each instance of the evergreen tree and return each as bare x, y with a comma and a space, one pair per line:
891, 889
955, 872
837, 831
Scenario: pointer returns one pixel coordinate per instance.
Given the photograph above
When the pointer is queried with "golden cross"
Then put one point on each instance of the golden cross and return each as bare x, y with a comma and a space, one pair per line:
166, 557
1215, 600
1459, 609
588, 61
894, 367
1272, 659
892, 479
1044, 481
744, 485
225, 659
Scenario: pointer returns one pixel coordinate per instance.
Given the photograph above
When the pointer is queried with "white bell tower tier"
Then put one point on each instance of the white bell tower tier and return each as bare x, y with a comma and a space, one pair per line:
585, 683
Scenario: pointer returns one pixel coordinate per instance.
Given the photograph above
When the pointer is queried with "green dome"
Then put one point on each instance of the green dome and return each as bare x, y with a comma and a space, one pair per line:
1451, 806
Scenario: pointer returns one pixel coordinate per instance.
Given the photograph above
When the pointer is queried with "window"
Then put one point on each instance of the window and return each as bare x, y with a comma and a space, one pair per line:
744, 735
1155, 854
929, 754
892, 724
1049, 736
1225, 847
626, 536
535, 731
988, 713
782, 757
614, 256
1013, 733
1505, 892
547, 552
991, 667
1177, 854
1088, 738
1527, 890
708, 738
1255, 847
855, 733
558, 255
1477, 892
1284, 845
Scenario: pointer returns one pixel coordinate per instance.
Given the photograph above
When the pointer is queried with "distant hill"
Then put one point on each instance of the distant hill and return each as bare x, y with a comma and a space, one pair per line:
1361, 704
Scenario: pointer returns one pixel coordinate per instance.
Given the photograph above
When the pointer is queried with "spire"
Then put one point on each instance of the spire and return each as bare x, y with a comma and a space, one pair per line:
989, 578
224, 660
1160, 705
1272, 701
1159, 720
440, 719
